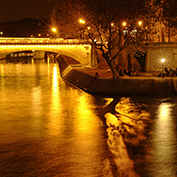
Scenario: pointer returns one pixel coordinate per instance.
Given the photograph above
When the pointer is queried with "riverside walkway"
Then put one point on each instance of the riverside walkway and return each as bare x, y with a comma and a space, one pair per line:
140, 84
105, 72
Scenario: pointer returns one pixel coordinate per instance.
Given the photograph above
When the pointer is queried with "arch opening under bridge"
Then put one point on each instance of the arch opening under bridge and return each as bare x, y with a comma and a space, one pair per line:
79, 51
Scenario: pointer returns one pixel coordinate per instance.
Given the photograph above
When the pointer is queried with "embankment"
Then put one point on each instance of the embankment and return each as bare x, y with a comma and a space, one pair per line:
122, 86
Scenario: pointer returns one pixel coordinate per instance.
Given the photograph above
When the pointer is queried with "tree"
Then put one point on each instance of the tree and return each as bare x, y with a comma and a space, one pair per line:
117, 27
126, 122
65, 17
165, 19
169, 17
106, 31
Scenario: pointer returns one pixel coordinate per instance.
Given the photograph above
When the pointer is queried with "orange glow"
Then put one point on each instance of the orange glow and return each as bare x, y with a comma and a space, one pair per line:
124, 23
54, 120
162, 60
84, 115
140, 23
54, 30
82, 21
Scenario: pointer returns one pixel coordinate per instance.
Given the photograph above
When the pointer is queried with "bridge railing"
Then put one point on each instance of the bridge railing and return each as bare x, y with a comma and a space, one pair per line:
5, 40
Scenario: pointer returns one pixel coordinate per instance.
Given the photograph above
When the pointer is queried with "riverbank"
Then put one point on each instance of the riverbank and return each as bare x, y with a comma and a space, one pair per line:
86, 79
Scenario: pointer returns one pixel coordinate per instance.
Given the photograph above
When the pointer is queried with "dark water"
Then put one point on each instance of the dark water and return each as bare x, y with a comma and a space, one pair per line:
49, 128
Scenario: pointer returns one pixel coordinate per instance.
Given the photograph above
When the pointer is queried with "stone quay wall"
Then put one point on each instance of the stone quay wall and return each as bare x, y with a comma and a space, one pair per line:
126, 86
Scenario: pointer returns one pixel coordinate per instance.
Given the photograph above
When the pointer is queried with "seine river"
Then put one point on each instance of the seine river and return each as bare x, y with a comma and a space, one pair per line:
52, 129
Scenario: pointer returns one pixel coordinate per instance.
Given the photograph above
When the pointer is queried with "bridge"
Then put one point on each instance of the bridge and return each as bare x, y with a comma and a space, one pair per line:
80, 50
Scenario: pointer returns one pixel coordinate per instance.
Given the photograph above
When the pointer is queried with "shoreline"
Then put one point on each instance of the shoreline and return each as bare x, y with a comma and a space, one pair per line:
85, 79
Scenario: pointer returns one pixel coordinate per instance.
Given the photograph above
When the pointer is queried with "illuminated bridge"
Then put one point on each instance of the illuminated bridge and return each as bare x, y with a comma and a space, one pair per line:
79, 50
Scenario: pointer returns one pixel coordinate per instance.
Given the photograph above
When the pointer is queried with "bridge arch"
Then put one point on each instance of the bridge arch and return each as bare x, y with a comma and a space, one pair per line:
80, 51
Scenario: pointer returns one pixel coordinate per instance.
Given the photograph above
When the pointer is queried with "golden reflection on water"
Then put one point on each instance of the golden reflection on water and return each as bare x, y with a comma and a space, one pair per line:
125, 126
84, 116
2, 74
163, 126
32, 61
55, 115
36, 109
163, 140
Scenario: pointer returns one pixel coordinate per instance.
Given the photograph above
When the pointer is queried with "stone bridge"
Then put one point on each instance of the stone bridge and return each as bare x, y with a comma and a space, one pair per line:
80, 50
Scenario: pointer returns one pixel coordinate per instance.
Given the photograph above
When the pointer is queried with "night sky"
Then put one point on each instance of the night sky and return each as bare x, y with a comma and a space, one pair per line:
21, 9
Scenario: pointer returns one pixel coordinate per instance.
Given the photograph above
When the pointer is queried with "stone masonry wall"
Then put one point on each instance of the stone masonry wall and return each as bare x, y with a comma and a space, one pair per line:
123, 86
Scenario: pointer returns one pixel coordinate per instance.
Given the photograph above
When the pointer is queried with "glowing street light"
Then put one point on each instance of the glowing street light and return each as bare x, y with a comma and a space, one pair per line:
124, 24
140, 23
162, 61
54, 30
81, 21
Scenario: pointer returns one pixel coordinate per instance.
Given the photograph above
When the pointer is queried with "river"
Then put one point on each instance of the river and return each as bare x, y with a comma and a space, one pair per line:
49, 128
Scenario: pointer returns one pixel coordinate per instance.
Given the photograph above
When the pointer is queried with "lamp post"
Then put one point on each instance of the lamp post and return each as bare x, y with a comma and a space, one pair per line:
124, 24
162, 61
54, 31
82, 22
140, 23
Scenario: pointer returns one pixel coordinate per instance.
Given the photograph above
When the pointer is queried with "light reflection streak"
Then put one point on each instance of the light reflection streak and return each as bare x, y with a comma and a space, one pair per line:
55, 115
2, 74
32, 61
126, 126
86, 131
37, 109
84, 116
164, 139
163, 124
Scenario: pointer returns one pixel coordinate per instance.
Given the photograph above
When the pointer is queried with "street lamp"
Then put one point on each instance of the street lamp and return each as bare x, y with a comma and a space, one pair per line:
124, 24
162, 61
1, 33
140, 23
82, 22
54, 30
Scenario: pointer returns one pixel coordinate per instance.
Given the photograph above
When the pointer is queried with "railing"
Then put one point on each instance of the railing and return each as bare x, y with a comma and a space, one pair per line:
7, 40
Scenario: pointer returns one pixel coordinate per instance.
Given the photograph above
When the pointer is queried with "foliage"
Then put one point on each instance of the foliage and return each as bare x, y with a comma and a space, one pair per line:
106, 32
65, 17
169, 15
164, 13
